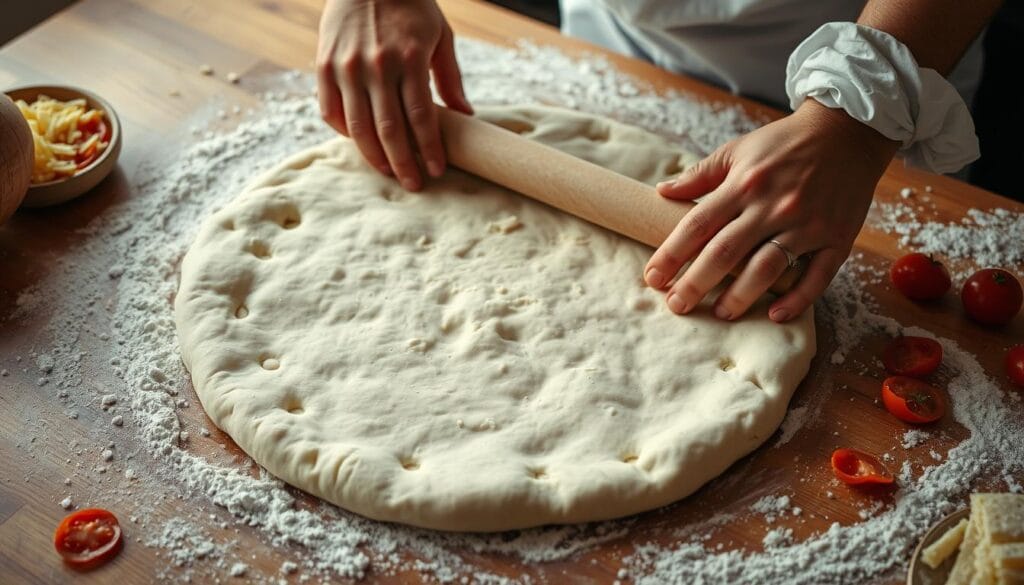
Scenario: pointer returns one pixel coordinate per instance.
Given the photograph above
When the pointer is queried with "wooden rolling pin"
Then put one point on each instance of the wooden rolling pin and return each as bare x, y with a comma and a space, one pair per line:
603, 197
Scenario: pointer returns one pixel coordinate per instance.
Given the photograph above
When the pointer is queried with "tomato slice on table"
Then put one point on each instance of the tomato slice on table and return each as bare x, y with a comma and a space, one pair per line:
912, 400
912, 356
1015, 364
88, 538
919, 277
855, 467
992, 296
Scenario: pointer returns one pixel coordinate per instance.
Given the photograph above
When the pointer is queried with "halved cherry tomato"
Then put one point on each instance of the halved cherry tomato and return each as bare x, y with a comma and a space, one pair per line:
912, 400
919, 277
992, 296
855, 467
912, 356
88, 538
1015, 364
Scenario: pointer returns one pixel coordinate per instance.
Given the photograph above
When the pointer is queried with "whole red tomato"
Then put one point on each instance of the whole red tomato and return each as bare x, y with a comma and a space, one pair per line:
1015, 364
919, 277
992, 296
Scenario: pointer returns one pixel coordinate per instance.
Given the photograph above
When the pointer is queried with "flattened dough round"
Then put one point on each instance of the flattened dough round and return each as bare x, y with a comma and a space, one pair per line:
465, 358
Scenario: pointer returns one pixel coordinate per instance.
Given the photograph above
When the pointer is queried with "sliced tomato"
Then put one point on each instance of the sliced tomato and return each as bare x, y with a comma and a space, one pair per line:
88, 538
912, 356
855, 467
912, 400
1015, 364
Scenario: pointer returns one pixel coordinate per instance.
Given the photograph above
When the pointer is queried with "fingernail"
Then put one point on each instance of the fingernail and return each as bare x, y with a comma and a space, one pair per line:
723, 313
409, 184
654, 278
779, 315
434, 168
664, 184
676, 304
385, 169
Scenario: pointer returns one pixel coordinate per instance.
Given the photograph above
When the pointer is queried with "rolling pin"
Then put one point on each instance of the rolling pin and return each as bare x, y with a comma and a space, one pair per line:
593, 193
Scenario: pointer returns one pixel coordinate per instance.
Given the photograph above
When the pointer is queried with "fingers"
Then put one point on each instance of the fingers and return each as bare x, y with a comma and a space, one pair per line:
422, 116
721, 254
766, 265
689, 236
389, 121
359, 118
823, 267
447, 77
331, 105
700, 179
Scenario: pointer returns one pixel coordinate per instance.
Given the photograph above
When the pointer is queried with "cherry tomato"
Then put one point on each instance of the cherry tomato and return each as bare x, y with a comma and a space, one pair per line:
912, 400
88, 538
855, 467
920, 277
992, 296
912, 356
1015, 364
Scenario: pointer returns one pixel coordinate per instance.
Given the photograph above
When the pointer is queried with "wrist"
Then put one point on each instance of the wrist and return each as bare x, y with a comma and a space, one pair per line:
838, 125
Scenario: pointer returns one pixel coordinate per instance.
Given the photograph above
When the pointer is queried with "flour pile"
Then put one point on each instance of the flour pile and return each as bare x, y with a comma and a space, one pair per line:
150, 232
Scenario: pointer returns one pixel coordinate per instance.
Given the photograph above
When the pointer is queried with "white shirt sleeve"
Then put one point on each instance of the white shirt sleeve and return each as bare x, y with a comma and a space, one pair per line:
876, 80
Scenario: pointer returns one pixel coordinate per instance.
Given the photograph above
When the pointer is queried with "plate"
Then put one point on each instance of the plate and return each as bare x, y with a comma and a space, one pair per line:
921, 574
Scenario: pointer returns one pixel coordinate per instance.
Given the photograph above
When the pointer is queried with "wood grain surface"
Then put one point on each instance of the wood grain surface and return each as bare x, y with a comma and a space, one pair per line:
134, 53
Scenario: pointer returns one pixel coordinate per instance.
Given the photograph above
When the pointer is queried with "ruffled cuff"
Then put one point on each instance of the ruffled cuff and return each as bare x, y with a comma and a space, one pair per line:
876, 80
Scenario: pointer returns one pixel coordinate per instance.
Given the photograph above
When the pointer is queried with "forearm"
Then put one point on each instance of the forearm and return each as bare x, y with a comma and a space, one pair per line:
937, 32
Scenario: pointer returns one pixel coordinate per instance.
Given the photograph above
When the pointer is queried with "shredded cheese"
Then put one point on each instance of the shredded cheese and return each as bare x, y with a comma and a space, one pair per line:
60, 142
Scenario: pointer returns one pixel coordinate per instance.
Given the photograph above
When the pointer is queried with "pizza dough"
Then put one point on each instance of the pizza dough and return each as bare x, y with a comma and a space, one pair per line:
465, 358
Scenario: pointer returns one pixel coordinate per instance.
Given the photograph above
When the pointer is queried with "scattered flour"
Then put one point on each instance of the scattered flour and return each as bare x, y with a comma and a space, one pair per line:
914, 437
983, 239
149, 232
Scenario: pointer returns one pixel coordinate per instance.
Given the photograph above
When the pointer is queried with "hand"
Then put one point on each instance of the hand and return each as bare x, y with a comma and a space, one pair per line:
805, 180
374, 61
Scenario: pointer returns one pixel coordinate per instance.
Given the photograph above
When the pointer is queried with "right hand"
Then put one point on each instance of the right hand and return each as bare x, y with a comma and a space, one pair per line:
373, 71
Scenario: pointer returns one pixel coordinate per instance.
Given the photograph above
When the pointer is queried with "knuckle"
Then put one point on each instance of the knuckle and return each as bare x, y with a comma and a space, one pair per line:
767, 268
787, 206
358, 130
666, 260
687, 289
419, 114
350, 65
752, 179
382, 58
412, 56
697, 222
388, 129
721, 252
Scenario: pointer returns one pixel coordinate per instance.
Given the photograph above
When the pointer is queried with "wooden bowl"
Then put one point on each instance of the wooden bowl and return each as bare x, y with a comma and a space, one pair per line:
919, 573
16, 157
61, 190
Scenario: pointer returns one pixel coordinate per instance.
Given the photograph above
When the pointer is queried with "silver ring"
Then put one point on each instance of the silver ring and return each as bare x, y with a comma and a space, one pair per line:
791, 259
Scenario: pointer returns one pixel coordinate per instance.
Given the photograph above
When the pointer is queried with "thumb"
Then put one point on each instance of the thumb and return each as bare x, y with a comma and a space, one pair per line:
699, 179
447, 77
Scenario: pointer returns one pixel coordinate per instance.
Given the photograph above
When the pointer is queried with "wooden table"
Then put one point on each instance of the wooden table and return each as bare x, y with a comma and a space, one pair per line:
134, 52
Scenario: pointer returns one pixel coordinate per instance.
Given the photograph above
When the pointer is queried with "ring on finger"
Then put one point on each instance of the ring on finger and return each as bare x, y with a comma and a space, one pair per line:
791, 258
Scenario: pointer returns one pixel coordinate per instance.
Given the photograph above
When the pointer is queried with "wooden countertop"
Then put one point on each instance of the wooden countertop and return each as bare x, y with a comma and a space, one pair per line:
134, 52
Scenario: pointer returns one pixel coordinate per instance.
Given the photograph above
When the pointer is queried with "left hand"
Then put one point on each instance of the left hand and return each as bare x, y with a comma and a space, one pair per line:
805, 180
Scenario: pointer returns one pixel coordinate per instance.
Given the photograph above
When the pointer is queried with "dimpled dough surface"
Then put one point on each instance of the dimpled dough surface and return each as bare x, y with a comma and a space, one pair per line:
465, 358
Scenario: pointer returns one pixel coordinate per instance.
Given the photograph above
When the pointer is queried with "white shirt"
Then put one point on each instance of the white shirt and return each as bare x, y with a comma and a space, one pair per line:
740, 45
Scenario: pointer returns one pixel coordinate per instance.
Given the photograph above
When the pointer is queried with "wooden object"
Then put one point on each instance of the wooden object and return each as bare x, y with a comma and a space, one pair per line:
144, 56
598, 195
16, 156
